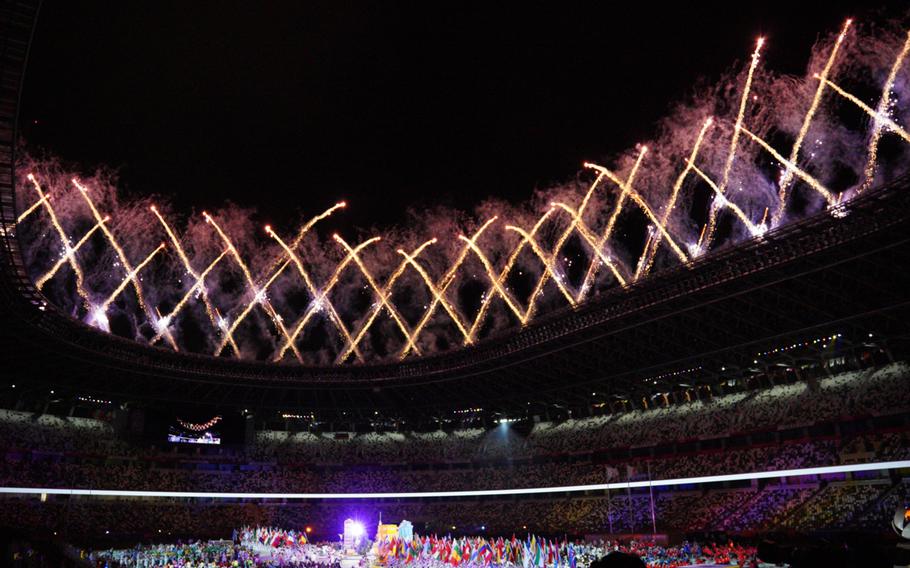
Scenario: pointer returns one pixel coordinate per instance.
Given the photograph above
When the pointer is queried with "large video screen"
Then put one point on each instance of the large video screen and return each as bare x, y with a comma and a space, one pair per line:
184, 432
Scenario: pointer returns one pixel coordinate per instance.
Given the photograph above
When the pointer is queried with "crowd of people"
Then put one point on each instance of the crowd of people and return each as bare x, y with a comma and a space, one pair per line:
42, 469
50, 451
869, 392
262, 546
820, 506
849, 394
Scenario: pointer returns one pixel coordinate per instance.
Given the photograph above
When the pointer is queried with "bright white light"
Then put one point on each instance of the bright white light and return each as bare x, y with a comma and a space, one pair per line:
849, 468
99, 319
357, 529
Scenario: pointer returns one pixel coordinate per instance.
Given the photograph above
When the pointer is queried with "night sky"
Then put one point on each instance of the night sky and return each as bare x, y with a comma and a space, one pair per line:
293, 106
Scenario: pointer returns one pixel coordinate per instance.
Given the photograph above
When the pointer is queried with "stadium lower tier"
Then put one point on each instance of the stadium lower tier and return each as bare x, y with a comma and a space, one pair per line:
841, 504
196, 473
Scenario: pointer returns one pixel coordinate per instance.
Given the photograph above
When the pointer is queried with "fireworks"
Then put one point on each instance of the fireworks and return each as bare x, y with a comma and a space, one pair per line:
883, 104
787, 175
705, 241
538, 247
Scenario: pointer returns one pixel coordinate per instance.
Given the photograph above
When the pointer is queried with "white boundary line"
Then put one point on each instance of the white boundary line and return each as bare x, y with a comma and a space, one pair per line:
877, 466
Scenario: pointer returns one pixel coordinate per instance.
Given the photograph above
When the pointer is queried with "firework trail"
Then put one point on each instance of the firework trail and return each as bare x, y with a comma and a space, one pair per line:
708, 235
518, 261
883, 104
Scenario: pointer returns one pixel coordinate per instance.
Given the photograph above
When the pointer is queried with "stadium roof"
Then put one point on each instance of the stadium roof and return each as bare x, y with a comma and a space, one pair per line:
696, 324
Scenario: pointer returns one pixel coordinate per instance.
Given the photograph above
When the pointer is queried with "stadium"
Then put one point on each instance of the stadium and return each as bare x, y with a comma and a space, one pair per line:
694, 353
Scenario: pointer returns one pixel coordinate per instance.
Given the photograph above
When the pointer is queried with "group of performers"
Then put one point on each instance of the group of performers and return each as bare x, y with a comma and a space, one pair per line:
253, 547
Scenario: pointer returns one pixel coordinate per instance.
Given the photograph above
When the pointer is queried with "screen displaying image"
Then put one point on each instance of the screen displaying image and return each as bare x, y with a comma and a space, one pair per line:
179, 437
191, 433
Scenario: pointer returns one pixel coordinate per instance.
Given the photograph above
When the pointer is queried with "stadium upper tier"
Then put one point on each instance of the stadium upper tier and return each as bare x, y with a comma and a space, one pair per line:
698, 318
759, 412
748, 311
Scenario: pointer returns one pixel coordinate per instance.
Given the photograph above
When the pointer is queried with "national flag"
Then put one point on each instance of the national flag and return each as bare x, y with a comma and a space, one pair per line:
455, 556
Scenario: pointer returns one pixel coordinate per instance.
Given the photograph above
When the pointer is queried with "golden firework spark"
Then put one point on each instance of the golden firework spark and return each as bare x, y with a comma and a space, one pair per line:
129, 278
876, 116
883, 103
596, 247
320, 299
124, 261
659, 234
381, 293
33, 207
634, 196
756, 230
734, 142
563, 237
439, 290
198, 285
259, 296
811, 181
377, 306
653, 241
497, 286
625, 187
68, 252
527, 239
787, 176
278, 266
40, 282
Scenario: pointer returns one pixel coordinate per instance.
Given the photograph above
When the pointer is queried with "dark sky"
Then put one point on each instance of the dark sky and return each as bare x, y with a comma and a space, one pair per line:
293, 106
